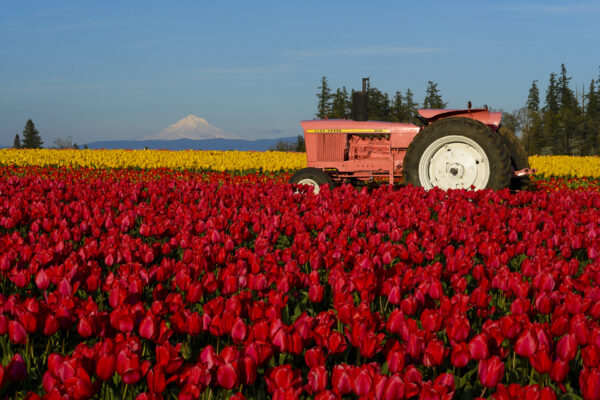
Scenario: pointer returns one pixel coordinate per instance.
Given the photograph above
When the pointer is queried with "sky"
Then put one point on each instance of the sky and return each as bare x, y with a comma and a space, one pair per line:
111, 70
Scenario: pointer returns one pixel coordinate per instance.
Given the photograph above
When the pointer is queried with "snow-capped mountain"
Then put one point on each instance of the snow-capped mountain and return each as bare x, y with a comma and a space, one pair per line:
190, 127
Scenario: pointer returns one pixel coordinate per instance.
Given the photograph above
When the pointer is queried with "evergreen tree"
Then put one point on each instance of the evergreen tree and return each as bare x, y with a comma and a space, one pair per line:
403, 108
397, 107
533, 99
378, 105
569, 137
591, 124
433, 98
411, 106
549, 135
17, 142
300, 145
340, 107
532, 129
31, 136
324, 96
552, 99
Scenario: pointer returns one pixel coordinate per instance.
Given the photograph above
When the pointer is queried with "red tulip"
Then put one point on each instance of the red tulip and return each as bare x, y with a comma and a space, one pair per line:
547, 394
590, 356
247, 370
326, 395
491, 371
478, 347
85, 327
42, 280
129, 367
295, 343
168, 356
314, 357
589, 383
105, 366
227, 375
156, 380
434, 353
431, 320
458, 329
394, 388
341, 380
395, 360
541, 361
526, 344
559, 370
79, 386
282, 377
362, 382
315, 293
16, 332
239, 331
370, 344
566, 348
16, 370
460, 355
336, 343
444, 383
317, 379
413, 381
148, 327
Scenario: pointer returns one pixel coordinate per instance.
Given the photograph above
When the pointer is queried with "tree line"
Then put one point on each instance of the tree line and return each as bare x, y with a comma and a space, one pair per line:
33, 140
567, 123
401, 107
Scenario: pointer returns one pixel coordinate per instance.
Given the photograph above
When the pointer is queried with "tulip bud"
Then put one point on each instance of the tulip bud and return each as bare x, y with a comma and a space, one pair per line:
491, 371
16, 370
589, 382
16, 332
105, 366
227, 376
526, 343
566, 348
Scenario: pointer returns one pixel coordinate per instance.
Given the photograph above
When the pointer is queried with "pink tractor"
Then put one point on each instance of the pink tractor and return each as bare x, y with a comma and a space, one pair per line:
452, 149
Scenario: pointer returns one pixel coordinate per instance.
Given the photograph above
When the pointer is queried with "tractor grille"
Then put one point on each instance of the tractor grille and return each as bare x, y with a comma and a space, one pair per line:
331, 147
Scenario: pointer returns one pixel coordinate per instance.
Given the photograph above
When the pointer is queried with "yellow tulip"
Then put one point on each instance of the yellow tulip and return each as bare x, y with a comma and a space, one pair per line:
152, 159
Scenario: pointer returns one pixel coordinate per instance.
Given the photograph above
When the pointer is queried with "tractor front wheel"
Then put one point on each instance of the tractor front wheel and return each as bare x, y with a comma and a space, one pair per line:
313, 177
457, 153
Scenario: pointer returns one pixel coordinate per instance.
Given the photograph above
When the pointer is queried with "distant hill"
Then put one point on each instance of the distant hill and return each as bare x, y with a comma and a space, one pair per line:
190, 144
191, 133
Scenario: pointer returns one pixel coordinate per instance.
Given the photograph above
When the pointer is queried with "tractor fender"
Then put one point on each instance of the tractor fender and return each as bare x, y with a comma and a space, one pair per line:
491, 119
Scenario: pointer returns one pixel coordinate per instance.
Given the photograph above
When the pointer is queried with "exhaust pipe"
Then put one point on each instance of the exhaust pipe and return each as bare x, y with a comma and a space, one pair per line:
359, 103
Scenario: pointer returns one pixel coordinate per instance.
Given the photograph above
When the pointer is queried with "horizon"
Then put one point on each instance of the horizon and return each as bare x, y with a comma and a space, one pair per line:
99, 73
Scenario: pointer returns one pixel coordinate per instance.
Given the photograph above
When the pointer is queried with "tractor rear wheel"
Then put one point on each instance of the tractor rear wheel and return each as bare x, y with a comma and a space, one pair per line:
457, 153
518, 156
313, 177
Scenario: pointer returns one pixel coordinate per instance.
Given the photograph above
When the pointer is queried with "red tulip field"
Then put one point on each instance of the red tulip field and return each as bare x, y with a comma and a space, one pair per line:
162, 284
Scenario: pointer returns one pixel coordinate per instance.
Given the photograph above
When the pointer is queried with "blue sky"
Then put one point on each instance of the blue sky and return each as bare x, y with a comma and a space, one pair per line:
102, 70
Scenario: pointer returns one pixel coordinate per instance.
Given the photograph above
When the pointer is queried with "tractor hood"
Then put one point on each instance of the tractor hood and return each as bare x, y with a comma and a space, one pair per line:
491, 119
349, 126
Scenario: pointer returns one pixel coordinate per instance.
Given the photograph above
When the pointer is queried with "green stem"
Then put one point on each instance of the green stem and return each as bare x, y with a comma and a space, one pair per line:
531, 377
45, 356
513, 361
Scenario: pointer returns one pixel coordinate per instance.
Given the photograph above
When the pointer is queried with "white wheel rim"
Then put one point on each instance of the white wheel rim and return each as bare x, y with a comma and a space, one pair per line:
310, 182
454, 162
